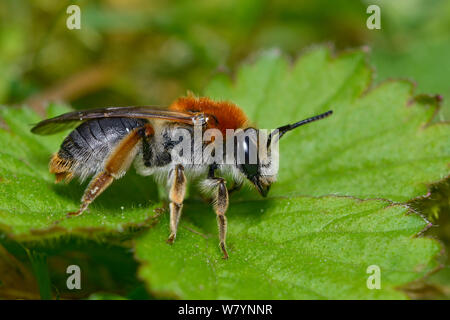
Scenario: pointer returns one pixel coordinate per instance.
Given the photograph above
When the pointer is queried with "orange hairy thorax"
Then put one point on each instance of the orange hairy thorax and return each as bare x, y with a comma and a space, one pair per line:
226, 114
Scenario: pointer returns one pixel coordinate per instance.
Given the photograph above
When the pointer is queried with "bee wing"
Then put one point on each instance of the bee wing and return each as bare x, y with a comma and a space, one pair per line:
72, 119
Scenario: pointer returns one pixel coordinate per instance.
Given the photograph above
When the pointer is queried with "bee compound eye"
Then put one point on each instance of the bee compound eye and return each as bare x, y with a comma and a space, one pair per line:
249, 163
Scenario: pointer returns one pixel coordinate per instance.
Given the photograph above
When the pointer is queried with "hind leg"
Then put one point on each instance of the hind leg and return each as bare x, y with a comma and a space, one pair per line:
116, 165
97, 185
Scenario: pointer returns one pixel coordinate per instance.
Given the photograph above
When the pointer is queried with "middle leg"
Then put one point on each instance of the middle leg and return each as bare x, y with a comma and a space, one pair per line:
176, 197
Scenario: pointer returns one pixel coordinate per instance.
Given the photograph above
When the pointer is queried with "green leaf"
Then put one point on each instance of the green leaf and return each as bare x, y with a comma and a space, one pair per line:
313, 237
294, 248
106, 296
31, 203
377, 144
423, 61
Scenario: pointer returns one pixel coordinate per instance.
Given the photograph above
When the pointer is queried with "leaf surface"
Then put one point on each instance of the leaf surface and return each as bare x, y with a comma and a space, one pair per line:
312, 238
289, 248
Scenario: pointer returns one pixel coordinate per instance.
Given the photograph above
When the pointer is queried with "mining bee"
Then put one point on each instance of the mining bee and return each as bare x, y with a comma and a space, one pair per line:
107, 141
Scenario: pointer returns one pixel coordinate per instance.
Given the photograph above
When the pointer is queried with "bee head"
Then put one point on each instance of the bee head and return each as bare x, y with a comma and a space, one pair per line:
256, 160
257, 153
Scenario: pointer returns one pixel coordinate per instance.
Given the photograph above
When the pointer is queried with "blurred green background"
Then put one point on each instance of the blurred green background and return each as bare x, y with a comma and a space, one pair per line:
149, 52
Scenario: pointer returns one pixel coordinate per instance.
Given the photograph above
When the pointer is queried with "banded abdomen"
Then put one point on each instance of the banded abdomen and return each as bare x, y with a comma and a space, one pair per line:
84, 151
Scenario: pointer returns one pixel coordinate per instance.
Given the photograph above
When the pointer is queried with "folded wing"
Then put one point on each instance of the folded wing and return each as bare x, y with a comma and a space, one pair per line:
72, 119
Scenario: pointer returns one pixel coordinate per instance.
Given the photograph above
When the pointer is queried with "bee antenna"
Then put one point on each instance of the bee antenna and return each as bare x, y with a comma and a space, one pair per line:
283, 129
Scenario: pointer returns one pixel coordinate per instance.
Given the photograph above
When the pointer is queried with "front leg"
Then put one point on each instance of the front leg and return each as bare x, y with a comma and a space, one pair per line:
220, 204
176, 197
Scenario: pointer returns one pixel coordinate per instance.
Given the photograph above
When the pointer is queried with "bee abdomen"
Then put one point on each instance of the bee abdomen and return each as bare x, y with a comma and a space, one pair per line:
84, 151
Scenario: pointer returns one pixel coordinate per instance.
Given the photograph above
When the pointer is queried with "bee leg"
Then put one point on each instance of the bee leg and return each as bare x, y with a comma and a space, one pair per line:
115, 167
220, 207
176, 196
97, 185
